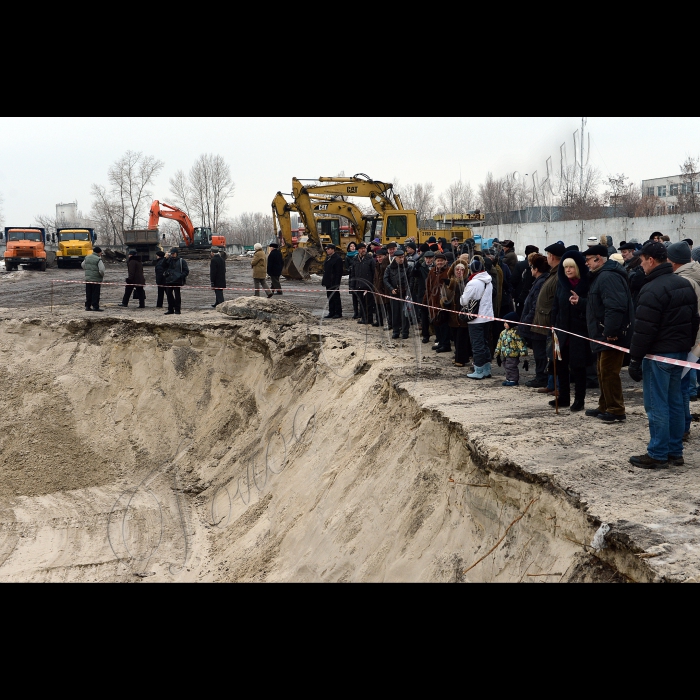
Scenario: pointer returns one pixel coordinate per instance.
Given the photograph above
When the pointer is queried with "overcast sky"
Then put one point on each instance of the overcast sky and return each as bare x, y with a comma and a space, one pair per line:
47, 160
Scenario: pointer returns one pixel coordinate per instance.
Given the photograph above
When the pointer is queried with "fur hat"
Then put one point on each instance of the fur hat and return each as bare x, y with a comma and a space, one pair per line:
599, 251
258, 246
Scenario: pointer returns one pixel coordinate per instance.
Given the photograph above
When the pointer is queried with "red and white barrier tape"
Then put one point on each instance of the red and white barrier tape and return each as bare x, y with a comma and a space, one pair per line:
655, 358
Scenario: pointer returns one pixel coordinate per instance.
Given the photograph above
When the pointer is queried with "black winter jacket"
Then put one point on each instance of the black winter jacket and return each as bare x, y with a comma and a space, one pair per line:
531, 307
181, 266
362, 274
637, 278
161, 264
396, 277
419, 279
333, 272
610, 307
217, 272
573, 318
667, 315
275, 263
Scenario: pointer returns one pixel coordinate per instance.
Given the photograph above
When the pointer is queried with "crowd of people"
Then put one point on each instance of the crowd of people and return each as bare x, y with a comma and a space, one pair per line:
610, 309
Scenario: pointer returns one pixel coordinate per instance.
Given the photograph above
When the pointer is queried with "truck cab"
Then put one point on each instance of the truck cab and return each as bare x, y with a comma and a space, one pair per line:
74, 245
25, 246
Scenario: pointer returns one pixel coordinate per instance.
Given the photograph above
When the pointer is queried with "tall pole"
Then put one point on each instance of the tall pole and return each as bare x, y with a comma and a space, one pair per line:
584, 122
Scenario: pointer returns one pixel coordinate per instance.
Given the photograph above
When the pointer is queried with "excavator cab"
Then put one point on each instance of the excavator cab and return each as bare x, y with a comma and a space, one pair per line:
202, 236
329, 230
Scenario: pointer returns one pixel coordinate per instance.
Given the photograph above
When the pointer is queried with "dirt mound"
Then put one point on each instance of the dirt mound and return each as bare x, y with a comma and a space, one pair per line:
245, 449
280, 312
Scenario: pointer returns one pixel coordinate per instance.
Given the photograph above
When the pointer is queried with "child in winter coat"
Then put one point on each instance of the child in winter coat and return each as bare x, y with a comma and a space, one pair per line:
511, 348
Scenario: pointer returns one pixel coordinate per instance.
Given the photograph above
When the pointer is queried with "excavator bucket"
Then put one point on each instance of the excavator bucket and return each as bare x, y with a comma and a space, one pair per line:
301, 263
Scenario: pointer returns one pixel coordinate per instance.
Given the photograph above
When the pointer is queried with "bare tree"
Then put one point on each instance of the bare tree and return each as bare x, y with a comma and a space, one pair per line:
180, 192
458, 198
421, 198
130, 179
580, 199
689, 193
494, 199
622, 196
204, 193
248, 229
106, 213
651, 205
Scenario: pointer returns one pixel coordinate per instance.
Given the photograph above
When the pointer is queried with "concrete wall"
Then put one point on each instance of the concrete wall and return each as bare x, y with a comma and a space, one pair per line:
677, 227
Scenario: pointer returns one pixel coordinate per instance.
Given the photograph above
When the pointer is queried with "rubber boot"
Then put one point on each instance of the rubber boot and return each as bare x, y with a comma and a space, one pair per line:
487, 371
479, 374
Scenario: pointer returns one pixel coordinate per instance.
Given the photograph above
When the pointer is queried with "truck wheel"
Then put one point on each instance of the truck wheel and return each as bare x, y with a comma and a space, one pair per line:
59, 264
42, 267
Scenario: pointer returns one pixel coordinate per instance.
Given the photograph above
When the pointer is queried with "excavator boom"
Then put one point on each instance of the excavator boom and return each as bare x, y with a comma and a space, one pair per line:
166, 211
379, 193
198, 239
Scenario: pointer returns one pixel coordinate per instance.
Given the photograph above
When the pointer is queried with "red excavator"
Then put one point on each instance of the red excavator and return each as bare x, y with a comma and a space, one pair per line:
196, 240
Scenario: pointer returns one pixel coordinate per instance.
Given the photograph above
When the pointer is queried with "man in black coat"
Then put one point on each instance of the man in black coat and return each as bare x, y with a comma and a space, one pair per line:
362, 284
332, 279
667, 326
160, 278
396, 286
635, 272
275, 265
136, 282
610, 318
217, 274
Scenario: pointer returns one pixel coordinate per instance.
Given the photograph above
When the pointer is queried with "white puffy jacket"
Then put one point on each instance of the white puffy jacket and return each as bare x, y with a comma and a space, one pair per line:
480, 288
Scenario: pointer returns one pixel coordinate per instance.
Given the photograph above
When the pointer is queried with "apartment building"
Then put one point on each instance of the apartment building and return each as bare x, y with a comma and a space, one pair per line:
668, 189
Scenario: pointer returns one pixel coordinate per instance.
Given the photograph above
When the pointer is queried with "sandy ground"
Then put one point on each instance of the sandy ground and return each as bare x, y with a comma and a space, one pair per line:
264, 444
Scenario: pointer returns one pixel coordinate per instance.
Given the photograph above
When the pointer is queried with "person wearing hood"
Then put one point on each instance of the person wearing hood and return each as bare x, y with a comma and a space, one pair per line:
540, 271
480, 291
680, 256
397, 287
609, 243
610, 314
569, 313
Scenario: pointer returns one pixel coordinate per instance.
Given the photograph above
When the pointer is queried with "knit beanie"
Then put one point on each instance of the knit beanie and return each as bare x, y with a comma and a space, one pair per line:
477, 266
696, 255
680, 253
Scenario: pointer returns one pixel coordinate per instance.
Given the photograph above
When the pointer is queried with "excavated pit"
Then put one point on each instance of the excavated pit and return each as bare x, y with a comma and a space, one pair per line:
262, 446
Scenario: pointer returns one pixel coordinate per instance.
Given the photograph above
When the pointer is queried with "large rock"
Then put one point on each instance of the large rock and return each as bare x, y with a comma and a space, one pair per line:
271, 310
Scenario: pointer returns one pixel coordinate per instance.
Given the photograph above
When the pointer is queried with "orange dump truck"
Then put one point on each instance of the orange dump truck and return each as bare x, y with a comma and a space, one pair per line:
25, 246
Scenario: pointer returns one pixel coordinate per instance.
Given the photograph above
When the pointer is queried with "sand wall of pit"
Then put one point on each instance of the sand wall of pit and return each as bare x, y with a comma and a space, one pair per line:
238, 451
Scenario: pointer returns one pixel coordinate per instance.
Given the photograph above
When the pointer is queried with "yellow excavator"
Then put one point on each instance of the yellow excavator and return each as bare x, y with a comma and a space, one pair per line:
321, 218
328, 196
